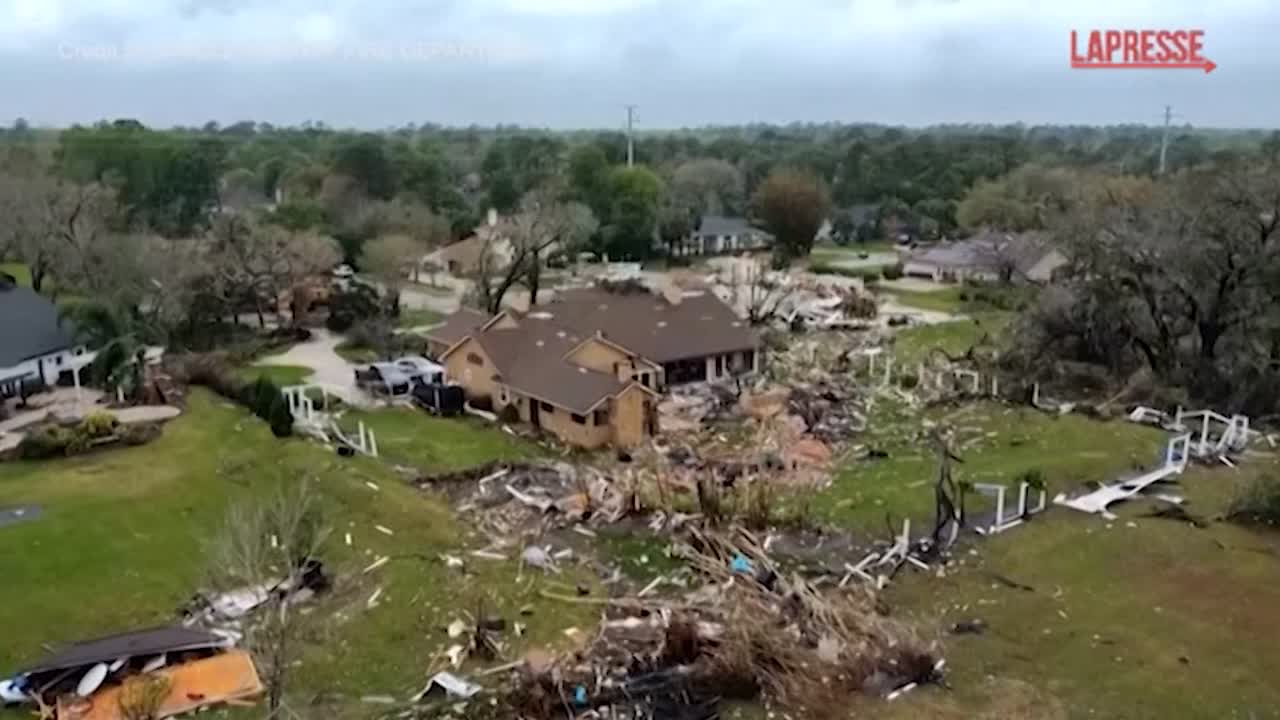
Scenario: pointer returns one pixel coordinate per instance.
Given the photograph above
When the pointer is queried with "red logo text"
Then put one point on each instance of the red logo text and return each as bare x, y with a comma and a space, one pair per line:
1139, 49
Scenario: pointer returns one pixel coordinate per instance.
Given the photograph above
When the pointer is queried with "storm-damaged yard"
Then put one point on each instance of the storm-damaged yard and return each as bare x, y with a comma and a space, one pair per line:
889, 520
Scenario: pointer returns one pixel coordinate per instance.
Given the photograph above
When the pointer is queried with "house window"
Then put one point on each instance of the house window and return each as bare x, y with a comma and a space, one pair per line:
547, 407
579, 419
602, 418
644, 379
719, 365
475, 359
503, 396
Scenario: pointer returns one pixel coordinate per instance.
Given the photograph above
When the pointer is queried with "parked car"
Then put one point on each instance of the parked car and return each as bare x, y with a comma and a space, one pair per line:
420, 368
439, 399
384, 378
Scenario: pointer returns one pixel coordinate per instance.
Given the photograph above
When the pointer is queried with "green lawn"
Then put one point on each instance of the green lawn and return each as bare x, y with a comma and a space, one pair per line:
914, 344
409, 436
418, 318
282, 375
997, 443
355, 353
119, 547
946, 299
854, 248
1157, 619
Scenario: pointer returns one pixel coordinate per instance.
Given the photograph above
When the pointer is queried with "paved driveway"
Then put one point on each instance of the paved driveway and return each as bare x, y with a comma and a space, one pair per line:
330, 369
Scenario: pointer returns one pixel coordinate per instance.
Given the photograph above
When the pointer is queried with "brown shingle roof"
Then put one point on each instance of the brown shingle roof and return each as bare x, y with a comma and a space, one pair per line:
530, 360
457, 326
650, 326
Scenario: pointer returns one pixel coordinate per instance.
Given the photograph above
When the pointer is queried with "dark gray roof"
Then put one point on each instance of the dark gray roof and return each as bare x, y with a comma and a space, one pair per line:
29, 325
722, 225
131, 644
988, 250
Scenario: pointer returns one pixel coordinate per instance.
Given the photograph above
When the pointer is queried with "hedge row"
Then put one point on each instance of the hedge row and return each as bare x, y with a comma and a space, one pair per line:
262, 396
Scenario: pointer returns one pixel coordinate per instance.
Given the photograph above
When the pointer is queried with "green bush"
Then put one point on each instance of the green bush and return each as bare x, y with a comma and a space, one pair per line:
47, 442
908, 381
1258, 502
893, 272
280, 418
99, 425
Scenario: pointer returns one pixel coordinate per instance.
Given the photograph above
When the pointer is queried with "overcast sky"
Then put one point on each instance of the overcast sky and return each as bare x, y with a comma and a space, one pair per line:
575, 63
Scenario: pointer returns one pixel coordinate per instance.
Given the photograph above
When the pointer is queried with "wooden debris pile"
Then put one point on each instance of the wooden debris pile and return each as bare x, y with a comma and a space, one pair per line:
748, 632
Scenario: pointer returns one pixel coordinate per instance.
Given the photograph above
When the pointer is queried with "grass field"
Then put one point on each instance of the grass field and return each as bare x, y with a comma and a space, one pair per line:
282, 375
912, 345
1139, 618
997, 443
417, 318
119, 546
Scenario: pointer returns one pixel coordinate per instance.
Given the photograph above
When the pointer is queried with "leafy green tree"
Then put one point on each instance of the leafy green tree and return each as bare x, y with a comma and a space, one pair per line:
632, 223
364, 158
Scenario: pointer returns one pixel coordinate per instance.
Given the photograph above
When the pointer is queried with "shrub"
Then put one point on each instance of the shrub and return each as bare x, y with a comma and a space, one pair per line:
893, 272
509, 415
99, 425
265, 395
280, 418
47, 442
908, 381
1258, 502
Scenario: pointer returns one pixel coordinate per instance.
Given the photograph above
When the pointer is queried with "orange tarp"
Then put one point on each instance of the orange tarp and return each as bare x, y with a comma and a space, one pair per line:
221, 678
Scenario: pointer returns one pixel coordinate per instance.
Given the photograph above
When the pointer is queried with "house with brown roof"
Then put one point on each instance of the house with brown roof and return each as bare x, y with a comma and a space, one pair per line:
589, 366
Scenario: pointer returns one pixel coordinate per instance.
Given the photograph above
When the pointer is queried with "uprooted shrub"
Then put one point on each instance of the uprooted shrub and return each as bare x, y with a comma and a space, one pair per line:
1258, 502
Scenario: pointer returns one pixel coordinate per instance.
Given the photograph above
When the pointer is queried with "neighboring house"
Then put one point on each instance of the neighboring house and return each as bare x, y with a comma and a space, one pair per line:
719, 234
988, 257
589, 366
463, 258
36, 348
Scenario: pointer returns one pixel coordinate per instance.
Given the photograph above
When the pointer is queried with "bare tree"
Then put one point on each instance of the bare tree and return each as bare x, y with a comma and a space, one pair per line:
388, 259
759, 294
274, 544
426, 229
542, 226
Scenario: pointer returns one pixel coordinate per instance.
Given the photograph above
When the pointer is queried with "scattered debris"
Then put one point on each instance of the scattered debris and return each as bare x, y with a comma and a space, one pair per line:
446, 684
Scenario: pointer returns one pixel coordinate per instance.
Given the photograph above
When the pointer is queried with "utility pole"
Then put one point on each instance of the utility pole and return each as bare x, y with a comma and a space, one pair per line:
1164, 139
631, 142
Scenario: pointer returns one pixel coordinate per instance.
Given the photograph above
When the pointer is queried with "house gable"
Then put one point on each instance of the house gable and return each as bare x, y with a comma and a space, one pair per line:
469, 365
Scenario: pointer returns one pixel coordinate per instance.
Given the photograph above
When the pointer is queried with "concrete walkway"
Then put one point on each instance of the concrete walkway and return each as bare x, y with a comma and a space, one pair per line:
329, 368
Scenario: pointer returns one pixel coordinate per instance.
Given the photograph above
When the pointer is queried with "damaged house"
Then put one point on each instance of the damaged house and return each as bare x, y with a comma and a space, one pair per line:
589, 366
